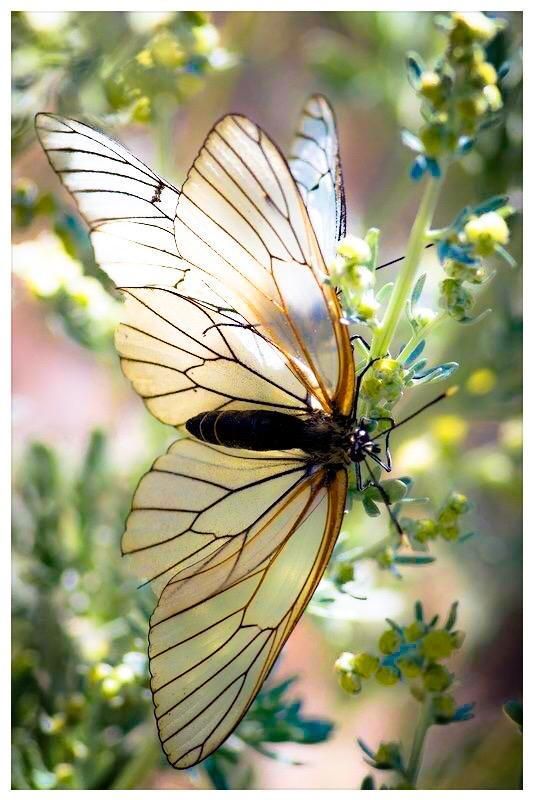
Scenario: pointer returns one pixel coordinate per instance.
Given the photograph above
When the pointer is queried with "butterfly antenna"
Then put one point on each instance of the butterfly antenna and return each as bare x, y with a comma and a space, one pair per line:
448, 393
388, 505
401, 258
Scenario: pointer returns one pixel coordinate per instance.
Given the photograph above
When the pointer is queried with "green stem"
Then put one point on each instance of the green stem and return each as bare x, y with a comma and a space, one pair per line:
425, 721
404, 284
360, 554
163, 117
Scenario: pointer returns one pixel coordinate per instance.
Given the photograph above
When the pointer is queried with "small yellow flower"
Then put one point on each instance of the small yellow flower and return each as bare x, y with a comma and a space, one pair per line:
449, 430
142, 110
365, 664
487, 231
387, 676
166, 51
415, 631
355, 249
493, 97
144, 58
437, 645
485, 73
444, 706
350, 682
389, 641
206, 38
345, 663
474, 26
481, 381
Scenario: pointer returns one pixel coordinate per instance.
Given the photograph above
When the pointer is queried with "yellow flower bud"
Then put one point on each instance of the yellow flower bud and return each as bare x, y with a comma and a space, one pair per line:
345, 663
365, 664
63, 772
485, 73
387, 676
355, 249
409, 668
493, 97
350, 682
389, 641
449, 430
142, 110
474, 26
166, 51
437, 645
144, 58
487, 231
415, 631
444, 706
437, 678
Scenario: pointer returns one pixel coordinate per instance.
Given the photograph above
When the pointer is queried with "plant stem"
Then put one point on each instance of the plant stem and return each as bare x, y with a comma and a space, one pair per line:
360, 554
163, 127
425, 721
404, 284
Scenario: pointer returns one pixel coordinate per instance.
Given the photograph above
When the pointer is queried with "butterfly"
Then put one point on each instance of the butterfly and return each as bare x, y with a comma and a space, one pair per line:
232, 334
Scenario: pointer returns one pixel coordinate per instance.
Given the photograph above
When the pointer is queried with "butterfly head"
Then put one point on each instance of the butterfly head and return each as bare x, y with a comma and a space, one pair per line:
361, 444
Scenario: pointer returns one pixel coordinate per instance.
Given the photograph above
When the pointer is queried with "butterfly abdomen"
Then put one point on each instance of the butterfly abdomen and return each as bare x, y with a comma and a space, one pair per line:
256, 430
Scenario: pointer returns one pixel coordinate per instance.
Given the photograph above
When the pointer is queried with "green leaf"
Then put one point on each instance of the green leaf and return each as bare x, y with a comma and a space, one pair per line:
452, 617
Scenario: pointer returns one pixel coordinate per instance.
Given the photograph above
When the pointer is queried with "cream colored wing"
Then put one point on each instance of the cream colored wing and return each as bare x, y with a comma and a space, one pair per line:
203, 502
216, 632
128, 208
316, 167
242, 224
185, 356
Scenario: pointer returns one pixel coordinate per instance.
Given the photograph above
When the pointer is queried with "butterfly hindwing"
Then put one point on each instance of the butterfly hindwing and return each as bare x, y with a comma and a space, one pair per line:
315, 164
216, 633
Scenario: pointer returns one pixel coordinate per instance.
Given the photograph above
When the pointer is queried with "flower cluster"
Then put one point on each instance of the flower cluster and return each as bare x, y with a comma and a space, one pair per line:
445, 525
353, 271
411, 654
475, 234
460, 95
88, 313
169, 66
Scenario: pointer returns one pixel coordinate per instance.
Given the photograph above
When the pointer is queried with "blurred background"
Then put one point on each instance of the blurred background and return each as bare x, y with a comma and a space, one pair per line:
82, 714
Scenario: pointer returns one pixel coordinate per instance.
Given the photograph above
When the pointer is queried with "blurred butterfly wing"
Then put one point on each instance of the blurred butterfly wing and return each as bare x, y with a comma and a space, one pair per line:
315, 165
128, 208
216, 633
242, 224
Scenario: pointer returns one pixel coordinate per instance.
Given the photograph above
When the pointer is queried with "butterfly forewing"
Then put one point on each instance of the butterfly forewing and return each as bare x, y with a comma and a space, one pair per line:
128, 208
241, 222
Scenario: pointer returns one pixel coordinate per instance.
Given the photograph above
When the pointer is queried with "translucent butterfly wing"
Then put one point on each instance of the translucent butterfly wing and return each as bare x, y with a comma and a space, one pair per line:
242, 224
185, 356
217, 631
201, 502
315, 164
128, 208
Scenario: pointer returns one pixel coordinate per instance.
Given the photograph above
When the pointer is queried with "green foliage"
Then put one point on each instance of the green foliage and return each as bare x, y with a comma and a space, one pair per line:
412, 655
158, 61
